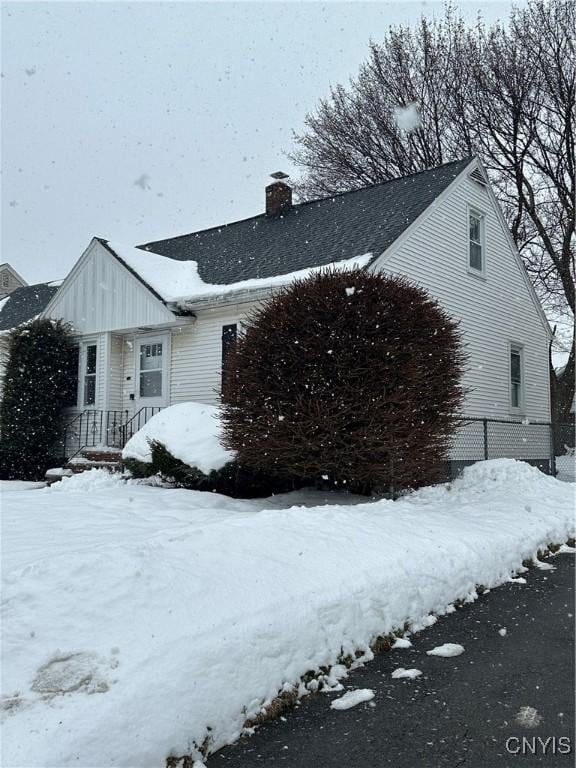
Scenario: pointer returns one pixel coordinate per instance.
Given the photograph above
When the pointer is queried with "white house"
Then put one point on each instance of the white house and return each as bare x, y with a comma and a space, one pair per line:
154, 322
9, 280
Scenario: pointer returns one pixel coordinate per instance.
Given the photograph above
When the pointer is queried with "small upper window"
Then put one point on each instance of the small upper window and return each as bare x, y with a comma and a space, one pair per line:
5, 280
516, 377
476, 242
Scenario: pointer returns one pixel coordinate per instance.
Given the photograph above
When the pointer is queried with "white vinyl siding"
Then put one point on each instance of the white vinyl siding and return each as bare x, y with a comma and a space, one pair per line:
491, 311
9, 282
128, 379
100, 294
197, 355
115, 373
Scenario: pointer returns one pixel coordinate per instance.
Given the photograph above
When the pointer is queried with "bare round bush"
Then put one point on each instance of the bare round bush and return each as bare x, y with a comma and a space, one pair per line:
348, 378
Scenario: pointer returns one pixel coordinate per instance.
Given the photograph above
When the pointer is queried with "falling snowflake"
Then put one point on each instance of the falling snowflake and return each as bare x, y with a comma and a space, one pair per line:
408, 118
143, 181
528, 717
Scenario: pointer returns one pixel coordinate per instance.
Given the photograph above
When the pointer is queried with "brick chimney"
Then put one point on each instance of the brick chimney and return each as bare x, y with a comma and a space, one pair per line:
278, 195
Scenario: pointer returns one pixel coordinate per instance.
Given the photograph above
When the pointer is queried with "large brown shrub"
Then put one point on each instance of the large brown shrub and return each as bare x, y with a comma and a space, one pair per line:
349, 378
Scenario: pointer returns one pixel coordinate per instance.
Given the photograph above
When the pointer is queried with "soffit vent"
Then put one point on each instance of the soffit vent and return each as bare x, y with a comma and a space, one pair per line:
479, 177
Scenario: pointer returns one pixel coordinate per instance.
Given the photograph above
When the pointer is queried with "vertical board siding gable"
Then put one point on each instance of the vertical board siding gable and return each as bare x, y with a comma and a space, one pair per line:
100, 294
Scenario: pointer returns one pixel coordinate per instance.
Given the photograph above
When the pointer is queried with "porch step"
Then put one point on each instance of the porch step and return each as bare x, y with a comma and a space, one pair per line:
56, 474
80, 464
101, 454
100, 457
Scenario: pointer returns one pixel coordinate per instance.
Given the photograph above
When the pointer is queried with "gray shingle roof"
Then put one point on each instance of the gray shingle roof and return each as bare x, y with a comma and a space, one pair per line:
25, 303
311, 234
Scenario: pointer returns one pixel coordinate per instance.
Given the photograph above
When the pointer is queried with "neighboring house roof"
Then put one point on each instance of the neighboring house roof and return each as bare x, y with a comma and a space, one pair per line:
310, 234
11, 269
25, 303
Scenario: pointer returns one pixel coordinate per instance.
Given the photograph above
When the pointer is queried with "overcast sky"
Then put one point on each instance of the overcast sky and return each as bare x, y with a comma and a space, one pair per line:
138, 121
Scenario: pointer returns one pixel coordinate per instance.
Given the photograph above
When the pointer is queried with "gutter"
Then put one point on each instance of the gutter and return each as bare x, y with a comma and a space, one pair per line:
214, 301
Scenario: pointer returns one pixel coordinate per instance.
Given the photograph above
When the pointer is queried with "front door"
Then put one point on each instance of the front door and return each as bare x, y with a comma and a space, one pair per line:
152, 353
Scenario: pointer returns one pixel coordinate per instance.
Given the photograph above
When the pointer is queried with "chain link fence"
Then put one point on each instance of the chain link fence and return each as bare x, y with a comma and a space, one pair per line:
536, 442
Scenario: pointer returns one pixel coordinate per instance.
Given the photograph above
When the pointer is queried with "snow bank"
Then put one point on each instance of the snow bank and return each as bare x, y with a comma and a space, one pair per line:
180, 281
487, 475
89, 482
9, 486
139, 620
190, 431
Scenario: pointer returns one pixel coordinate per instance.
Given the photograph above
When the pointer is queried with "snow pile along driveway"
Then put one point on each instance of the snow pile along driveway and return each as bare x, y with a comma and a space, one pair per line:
138, 621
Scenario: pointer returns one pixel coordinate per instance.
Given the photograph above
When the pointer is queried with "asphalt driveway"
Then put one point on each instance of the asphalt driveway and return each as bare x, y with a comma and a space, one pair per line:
508, 700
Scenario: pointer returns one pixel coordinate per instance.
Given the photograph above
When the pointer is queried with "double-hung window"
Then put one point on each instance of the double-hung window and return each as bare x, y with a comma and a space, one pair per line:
70, 398
89, 374
229, 333
516, 377
476, 255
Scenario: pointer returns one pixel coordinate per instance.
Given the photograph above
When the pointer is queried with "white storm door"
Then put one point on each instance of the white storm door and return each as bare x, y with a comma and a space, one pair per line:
151, 385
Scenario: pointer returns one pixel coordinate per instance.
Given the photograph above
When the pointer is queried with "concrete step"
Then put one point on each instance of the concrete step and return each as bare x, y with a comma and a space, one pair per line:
101, 454
81, 464
56, 474
96, 457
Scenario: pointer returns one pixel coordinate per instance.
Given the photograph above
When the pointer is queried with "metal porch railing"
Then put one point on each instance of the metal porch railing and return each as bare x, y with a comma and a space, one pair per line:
100, 428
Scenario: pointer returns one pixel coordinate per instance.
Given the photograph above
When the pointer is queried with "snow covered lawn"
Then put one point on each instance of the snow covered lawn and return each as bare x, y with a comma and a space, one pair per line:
138, 620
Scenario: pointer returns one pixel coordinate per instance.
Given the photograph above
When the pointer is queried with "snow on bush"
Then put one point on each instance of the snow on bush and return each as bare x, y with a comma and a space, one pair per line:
139, 621
189, 431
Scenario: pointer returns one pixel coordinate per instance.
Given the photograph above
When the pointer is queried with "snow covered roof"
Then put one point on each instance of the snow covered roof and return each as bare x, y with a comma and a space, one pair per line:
310, 234
179, 282
25, 303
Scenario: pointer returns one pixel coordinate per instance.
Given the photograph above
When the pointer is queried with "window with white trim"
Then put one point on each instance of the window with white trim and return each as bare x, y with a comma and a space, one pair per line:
229, 335
516, 377
89, 379
151, 369
476, 241
5, 280
70, 398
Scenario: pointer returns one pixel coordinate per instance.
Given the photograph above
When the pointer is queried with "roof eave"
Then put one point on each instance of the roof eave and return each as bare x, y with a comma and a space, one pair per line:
215, 301
240, 296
